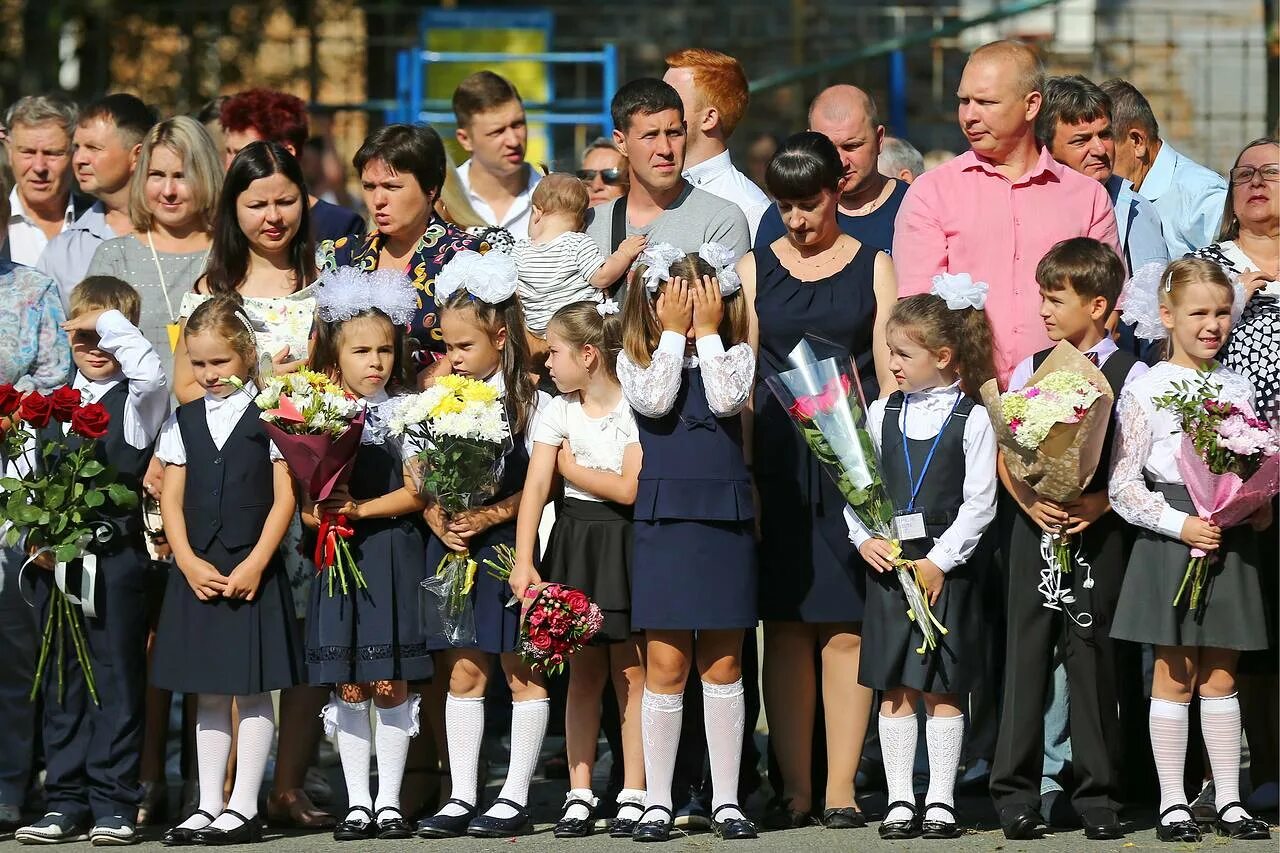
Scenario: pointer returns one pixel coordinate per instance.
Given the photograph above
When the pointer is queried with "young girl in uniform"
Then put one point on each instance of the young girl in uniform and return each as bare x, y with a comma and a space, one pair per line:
226, 629
484, 338
590, 545
1196, 649
938, 461
687, 369
369, 643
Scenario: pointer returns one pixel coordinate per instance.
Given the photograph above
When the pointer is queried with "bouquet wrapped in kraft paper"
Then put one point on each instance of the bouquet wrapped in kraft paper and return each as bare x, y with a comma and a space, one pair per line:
1051, 433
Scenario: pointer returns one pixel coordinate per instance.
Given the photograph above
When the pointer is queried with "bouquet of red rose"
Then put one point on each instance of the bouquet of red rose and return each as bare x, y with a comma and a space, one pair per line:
54, 494
1229, 461
559, 620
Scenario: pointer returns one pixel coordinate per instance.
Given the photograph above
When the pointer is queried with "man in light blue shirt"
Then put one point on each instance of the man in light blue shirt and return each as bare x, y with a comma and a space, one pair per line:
1189, 197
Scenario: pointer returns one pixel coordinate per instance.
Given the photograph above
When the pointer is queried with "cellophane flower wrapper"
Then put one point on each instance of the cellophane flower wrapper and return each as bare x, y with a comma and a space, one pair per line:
461, 433
54, 501
1054, 450
316, 426
825, 401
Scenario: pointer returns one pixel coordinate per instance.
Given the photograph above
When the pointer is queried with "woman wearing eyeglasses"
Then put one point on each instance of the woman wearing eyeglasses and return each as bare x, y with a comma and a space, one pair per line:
603, 172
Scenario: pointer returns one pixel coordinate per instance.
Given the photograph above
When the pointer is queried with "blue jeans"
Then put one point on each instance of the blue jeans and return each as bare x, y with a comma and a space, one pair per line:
1057, 731
19, 648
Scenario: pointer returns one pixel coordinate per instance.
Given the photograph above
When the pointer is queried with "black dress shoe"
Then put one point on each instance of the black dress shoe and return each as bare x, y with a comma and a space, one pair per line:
1101, 824
248, 832
846, 818
393, 827
575, 827
940, 828
447, 826
1021, 823
654, 830
487, 826
355, 830
622, 827
1181, 831
177, 836
733, 828
895, 830
1246, 829
781, 816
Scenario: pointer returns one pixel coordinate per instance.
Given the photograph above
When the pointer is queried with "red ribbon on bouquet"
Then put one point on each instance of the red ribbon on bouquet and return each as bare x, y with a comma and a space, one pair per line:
331, 528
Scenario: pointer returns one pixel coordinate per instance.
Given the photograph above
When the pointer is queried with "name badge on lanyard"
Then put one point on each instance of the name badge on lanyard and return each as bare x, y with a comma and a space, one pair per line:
908, 524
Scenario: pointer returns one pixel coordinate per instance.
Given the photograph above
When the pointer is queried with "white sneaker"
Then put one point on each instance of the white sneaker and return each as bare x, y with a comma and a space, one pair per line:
112, 832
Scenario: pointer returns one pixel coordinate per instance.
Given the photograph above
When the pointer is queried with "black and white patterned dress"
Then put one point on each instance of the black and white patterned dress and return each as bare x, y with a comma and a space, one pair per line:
1254, 346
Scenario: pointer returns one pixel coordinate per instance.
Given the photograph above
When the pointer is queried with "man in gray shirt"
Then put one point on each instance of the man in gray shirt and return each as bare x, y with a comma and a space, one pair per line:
648, 120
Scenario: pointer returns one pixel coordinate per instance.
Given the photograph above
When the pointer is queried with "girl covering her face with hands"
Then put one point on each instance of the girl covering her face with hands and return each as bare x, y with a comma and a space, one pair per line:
226, 628
687, 370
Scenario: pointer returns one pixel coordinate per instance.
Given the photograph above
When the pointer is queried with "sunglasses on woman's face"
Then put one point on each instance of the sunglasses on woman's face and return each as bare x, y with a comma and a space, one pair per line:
609, 176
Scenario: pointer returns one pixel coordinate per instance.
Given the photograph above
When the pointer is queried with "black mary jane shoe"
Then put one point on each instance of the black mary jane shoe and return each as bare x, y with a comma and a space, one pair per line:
355, 830
177, 836
391, 828
575, 827
845, 818
1246, 829
734, 828
623, 827
781, 816
1180, 831
487, 826
447, 826
654, 830
940, 828
898, 830
248, 832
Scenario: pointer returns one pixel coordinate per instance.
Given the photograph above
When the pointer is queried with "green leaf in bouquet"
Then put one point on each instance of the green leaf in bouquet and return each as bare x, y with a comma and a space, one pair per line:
94, 498
77, 491
11, 537
66, 552
54, 496
122, 496
91, 469
44, 519
10, 484
27, 514
59, 524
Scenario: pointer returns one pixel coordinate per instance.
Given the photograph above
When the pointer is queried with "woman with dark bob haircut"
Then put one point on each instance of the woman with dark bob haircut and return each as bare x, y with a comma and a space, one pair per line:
814, 281
401, 170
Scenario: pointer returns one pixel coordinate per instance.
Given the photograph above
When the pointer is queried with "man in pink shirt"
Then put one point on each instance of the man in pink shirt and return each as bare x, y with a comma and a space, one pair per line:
995, 210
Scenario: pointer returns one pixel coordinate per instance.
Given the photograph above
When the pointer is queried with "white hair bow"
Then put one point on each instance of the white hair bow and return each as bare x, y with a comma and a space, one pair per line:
721, 257
345, 292
1139, 302
604, 309
491, 277
960, 291
657, 259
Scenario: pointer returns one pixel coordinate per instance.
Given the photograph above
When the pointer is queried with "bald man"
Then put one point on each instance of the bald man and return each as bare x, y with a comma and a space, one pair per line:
994, 211
869, 201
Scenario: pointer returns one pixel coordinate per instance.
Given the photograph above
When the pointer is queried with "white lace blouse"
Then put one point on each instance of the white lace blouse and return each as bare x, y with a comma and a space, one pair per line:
597, 443
1148, 441
727, 376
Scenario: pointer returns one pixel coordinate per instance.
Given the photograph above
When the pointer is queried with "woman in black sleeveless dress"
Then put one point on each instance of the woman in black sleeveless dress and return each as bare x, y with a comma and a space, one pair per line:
820, 285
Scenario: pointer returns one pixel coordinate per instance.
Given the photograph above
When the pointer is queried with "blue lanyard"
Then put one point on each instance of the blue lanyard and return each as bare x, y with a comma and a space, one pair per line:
906, 453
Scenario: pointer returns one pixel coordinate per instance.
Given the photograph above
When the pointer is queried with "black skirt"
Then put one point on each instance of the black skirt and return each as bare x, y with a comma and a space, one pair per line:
590, 549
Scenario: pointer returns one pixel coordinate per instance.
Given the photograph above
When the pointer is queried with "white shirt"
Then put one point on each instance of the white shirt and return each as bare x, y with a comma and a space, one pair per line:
516, 219
221, 414
26, 240
597, 443
720, 177
555, 274
541, 400
929, 410
727, 377
1103, 348
147, 405
1149, 441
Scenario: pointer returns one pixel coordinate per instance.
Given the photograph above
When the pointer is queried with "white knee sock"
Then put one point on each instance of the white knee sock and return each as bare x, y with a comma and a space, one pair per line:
724, 712
391, 741
348, 724
528, 727
253, 747
213, 748
464, 728
944, 736
661, 715
898, 748
1220, 729
1167, 722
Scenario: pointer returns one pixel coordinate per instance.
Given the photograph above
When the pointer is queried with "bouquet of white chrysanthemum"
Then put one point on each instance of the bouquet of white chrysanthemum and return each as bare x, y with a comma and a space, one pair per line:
1061, 397
306, 403
462, 429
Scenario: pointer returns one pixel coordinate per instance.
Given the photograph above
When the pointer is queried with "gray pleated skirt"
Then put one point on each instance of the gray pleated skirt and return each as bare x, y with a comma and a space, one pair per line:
1231, 613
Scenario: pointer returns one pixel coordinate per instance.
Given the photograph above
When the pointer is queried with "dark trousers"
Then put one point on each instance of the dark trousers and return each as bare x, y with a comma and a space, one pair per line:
93, 750
1090, 659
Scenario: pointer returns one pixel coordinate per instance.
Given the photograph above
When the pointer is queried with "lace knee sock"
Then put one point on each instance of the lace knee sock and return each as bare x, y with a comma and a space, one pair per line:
528, 727
1168, 722
898, 746
464, 727
660, 717
396, 726
944, 736
253, 747
1220, 728
724, 713
348, 723
213, 748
